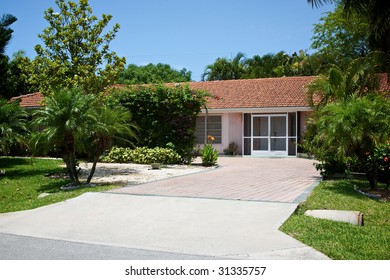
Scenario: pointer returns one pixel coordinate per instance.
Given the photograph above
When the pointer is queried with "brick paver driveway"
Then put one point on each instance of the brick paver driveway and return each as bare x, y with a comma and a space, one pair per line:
259, 179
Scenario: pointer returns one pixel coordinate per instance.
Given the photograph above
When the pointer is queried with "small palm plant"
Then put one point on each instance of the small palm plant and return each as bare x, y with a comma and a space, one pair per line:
209, 153
13, 124
73, 122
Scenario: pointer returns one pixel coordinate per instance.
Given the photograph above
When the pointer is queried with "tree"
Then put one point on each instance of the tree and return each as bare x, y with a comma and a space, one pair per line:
266, 66
153, 74
5, 37
13, 125
5, 31
18, 76
73, 123
225, 69
339, 38
76, 50
375, 12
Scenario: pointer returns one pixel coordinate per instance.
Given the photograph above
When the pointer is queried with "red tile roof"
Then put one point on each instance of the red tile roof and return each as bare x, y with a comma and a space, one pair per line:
31, 100
256, 93
236, 94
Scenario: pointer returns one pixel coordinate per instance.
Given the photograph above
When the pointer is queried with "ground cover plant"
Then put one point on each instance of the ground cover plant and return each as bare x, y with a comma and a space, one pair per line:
339, 240
142, 155
24, 179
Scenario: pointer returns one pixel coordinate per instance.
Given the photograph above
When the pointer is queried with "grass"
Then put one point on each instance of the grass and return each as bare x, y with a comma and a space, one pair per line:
339, 240
25, 179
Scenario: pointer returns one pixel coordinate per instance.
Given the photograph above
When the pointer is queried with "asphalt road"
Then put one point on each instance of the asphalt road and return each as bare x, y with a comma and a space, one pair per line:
15, 247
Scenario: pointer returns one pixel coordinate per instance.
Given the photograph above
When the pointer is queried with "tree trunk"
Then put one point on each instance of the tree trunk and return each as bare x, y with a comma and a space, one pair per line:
70, 159
372, 179
92, 172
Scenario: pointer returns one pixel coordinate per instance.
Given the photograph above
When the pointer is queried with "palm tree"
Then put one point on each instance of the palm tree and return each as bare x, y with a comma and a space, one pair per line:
13, 124
113, 122
358, 79
73, 123
225, 69
350, 130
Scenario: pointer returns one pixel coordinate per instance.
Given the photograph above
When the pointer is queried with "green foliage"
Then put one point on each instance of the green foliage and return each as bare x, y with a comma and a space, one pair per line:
225, 69
373, 12
163, 114
153, 74
339, 38
18, 76
142, 155
5, 31
13, 125
359, 78
347, 130
266, 66
209, 155
5, 37
75, 123
380, 161
76, 52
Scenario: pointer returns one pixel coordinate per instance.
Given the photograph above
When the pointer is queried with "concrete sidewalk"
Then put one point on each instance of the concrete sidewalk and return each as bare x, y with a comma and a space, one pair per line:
233, 211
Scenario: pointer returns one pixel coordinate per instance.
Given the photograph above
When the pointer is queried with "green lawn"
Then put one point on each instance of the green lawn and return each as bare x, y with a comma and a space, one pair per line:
26, 178
339, 240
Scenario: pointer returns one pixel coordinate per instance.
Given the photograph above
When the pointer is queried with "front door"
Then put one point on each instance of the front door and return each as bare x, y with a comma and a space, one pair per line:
269, 135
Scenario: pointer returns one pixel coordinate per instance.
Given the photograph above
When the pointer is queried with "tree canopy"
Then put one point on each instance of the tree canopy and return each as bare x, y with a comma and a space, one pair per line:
153, 74
339, 38
266, 66
375, 12
5, 37
75, 50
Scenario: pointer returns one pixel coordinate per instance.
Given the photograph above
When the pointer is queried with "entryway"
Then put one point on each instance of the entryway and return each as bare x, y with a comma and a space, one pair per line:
270, 135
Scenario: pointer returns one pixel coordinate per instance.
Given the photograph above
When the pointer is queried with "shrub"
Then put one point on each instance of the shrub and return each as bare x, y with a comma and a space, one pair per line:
143, 155
118, 155
163, 114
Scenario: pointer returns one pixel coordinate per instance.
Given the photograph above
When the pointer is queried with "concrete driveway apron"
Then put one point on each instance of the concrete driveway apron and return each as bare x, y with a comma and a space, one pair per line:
233, 212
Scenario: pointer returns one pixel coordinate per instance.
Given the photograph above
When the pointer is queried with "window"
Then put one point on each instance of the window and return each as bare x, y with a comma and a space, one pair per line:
210, 125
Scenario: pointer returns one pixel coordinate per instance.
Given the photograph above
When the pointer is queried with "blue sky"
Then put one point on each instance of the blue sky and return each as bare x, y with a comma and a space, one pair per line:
184, 34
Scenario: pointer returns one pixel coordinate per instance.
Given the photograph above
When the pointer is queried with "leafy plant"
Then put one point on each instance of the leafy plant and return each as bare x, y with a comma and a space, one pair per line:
209, 153
13, 125
163, 114
142, 155
75, 123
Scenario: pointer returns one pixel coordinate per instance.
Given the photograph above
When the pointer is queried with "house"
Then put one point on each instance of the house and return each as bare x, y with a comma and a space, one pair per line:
262, 117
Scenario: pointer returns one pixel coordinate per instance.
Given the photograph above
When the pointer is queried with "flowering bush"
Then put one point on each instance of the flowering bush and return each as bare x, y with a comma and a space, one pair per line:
378, 163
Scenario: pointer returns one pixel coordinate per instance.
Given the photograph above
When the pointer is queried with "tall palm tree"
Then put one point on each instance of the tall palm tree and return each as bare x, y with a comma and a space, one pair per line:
13, 124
